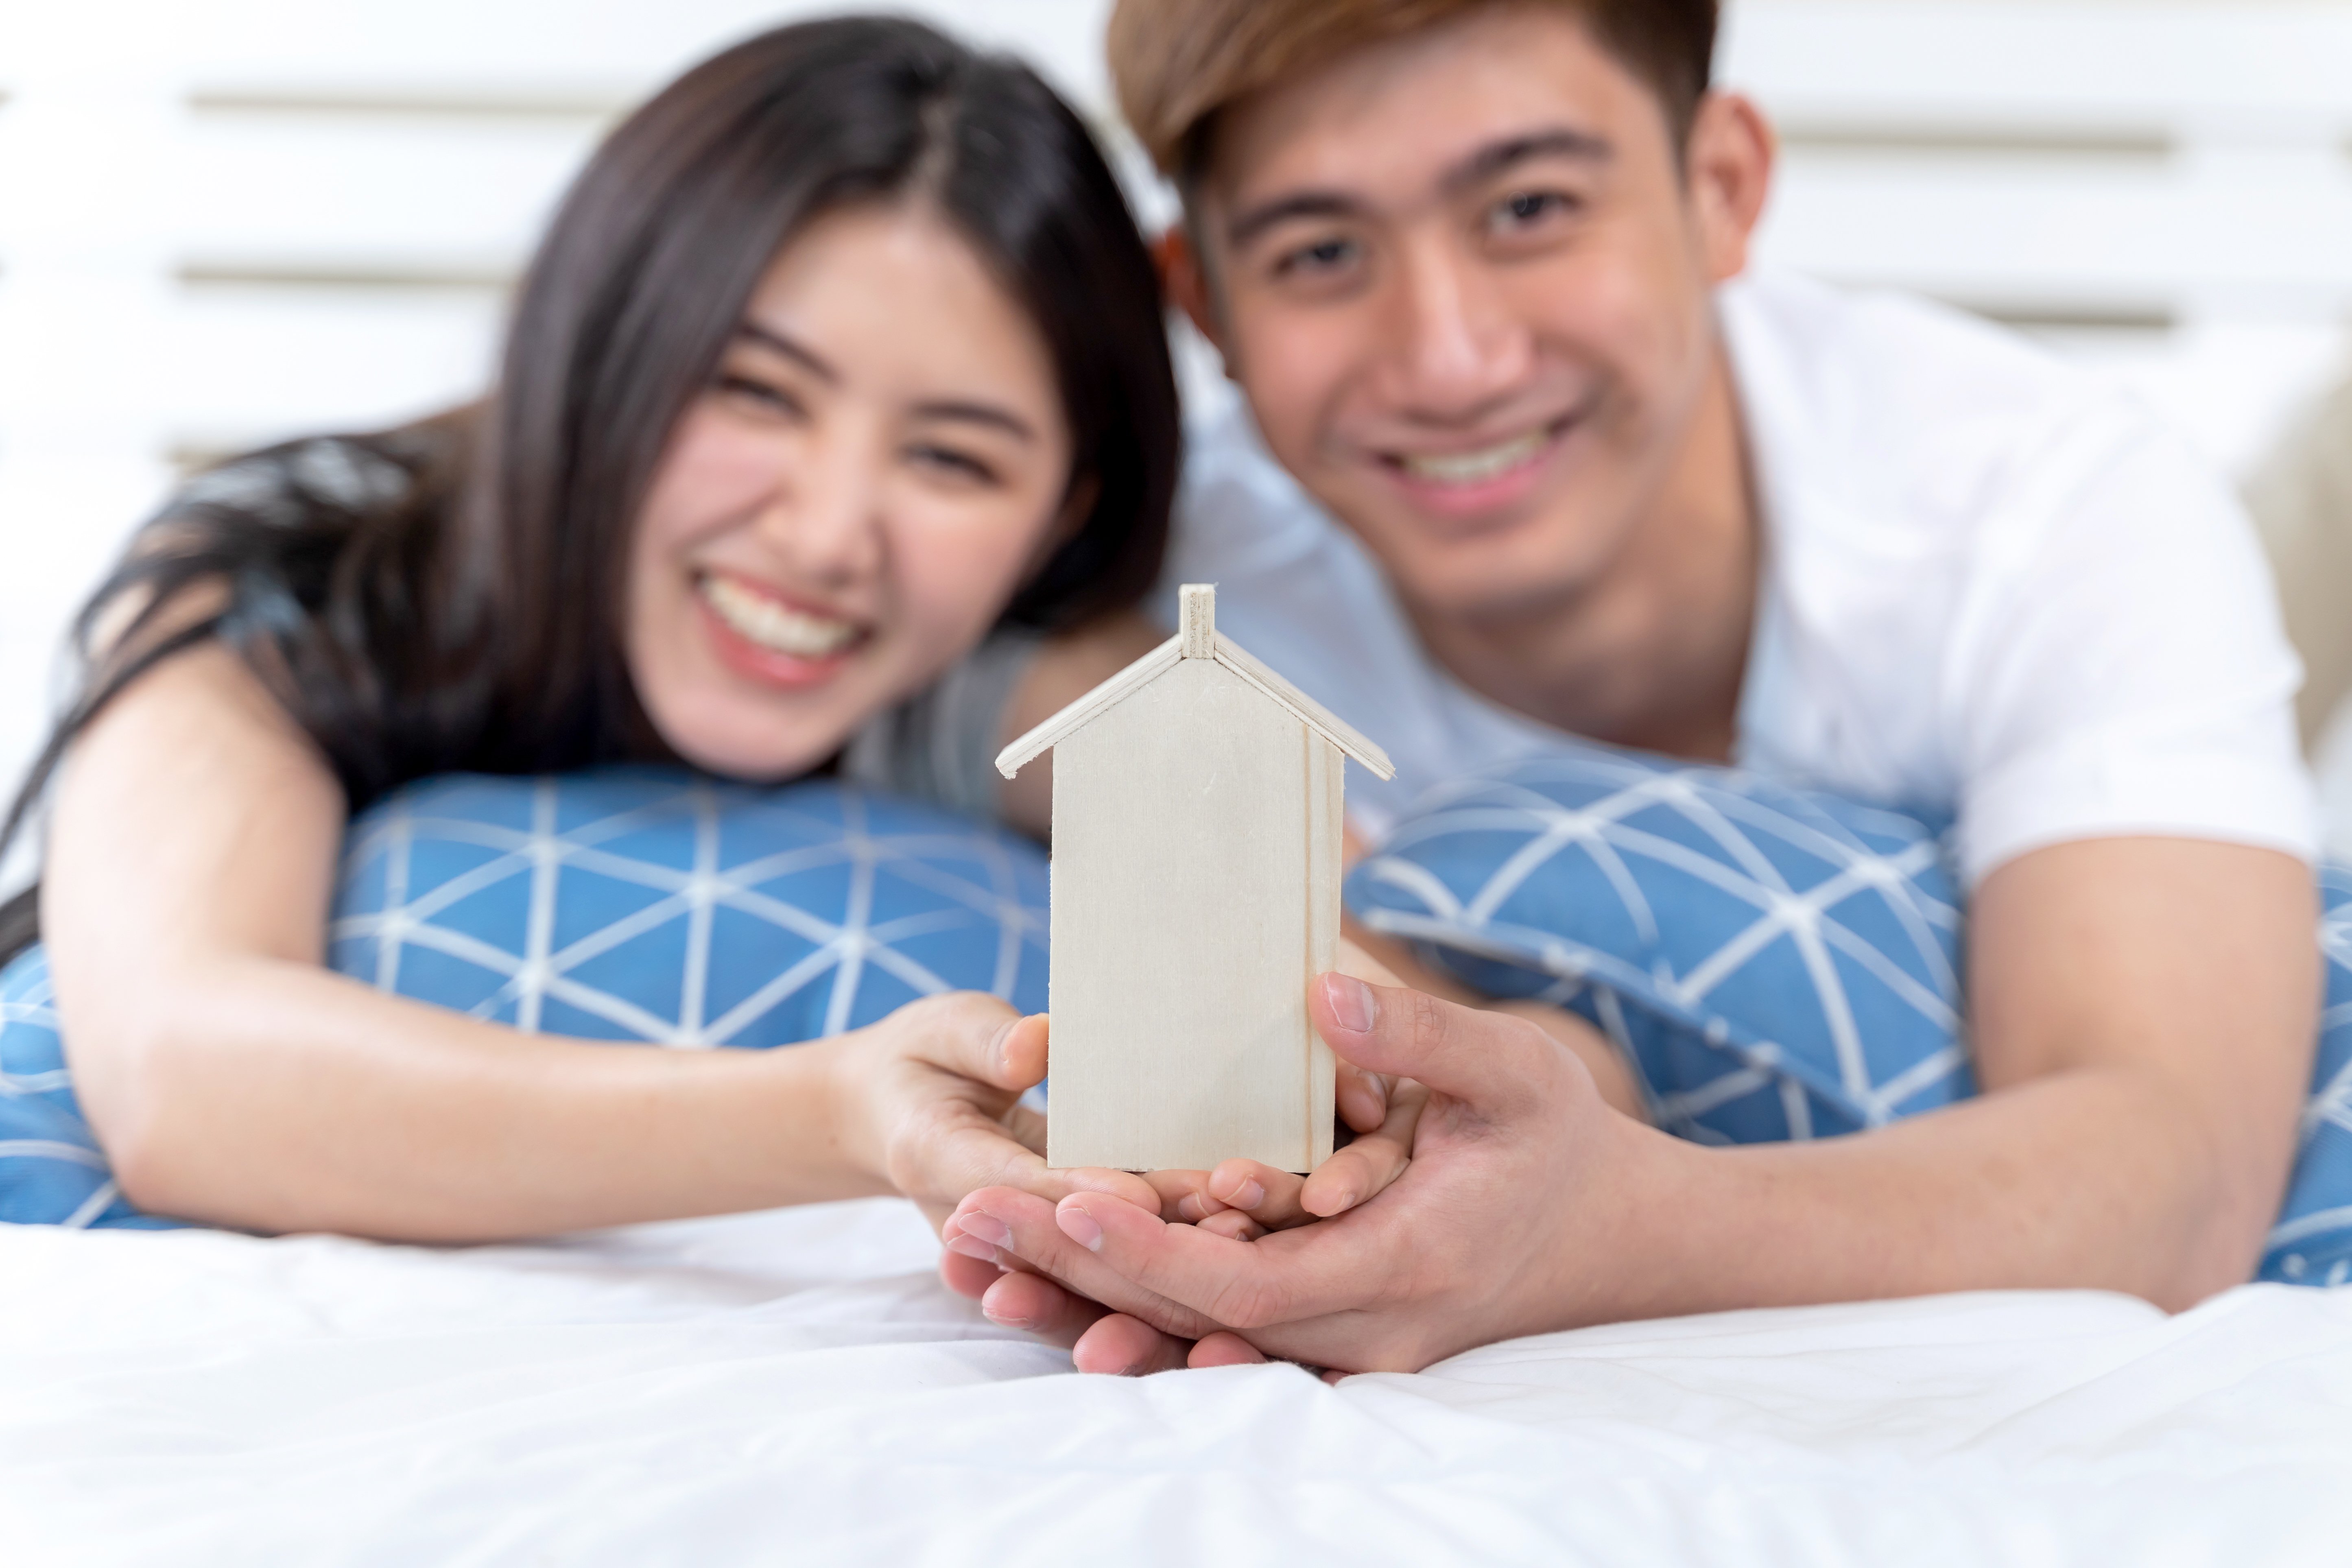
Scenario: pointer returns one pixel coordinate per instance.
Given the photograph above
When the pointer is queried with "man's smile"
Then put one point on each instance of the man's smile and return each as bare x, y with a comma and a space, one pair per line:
1473, 481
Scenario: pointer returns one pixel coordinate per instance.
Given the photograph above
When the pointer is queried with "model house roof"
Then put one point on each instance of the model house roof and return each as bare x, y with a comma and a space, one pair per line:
1197, 637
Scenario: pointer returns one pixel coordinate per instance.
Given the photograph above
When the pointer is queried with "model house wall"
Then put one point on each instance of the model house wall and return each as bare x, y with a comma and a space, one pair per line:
1197, 821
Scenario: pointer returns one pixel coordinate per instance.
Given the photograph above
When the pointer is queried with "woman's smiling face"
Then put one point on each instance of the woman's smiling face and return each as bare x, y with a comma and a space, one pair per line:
880, 461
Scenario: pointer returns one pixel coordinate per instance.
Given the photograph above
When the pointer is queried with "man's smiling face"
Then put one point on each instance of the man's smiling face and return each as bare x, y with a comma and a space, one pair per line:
1467, 290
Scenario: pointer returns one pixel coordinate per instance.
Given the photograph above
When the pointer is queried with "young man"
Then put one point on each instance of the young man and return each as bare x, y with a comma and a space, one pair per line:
1554, 463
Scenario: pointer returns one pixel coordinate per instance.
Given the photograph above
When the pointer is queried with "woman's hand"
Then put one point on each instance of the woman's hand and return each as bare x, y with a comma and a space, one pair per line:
927, 1103
1515, 1216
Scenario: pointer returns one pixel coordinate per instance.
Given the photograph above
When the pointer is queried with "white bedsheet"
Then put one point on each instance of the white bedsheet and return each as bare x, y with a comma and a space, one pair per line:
796, 1387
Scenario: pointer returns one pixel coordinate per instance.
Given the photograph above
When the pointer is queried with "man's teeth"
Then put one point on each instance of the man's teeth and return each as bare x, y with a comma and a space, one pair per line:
760, 619
1470, 468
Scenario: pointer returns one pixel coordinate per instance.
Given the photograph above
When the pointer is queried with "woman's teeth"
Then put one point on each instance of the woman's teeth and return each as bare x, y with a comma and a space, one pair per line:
1472, 468
760, 619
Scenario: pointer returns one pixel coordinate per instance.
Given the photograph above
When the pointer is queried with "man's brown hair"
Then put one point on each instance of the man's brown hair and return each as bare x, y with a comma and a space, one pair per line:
1176, 63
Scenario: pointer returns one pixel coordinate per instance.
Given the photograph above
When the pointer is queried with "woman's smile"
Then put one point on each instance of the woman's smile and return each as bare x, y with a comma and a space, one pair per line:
758, 633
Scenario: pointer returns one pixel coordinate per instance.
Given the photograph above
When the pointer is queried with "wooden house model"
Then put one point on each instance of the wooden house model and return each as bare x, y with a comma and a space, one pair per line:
1197, 821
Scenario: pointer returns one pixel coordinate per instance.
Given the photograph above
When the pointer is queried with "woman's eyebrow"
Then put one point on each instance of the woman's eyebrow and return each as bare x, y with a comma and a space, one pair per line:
971, 413
807, 359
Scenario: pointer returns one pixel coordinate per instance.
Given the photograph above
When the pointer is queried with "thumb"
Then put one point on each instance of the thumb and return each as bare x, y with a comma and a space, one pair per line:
1487, 1059
978, 1037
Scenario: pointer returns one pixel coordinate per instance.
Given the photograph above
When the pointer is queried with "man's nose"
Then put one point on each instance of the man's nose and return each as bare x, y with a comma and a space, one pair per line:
825, 521
1458, 348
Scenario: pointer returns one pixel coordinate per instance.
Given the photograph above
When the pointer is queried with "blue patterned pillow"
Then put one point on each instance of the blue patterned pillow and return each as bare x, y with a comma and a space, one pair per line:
1773, 963
2312, 1244
620, 904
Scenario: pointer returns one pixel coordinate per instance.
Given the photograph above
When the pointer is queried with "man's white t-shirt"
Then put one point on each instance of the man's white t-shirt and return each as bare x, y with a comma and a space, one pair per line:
1993, 588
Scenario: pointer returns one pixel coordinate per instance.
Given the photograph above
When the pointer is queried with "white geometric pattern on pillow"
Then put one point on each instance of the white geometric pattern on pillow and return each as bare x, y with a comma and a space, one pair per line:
619, 904
1776, 964
646, 904
2312, 1243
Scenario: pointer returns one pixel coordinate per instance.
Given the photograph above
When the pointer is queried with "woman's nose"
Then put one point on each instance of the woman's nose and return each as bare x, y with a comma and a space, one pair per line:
825, 522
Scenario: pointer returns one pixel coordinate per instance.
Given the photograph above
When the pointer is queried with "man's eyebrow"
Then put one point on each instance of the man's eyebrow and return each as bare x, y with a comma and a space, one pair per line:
971, 413
777, 342
1495, 158
1501, 156
1255, 221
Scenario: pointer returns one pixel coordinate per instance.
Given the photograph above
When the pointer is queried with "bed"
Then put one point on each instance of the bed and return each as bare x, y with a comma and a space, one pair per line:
797, 1386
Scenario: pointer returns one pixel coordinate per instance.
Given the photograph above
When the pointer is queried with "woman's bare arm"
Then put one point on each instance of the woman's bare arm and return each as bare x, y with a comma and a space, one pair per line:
231, 1078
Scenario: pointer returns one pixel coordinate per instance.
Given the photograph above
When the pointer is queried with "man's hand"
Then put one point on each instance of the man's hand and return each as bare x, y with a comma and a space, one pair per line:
1520, 1176
2141, 1013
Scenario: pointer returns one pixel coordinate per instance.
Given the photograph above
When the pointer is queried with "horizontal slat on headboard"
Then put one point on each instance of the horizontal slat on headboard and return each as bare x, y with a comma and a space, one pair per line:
277, 215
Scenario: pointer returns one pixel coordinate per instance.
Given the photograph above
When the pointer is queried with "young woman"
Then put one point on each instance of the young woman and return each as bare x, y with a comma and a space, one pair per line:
840, 379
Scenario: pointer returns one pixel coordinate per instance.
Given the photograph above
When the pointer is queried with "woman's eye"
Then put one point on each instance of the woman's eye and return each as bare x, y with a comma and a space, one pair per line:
1525, 210
762, 394
949, 462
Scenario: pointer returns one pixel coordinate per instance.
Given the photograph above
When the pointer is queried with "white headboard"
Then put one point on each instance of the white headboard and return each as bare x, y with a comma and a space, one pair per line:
226, 221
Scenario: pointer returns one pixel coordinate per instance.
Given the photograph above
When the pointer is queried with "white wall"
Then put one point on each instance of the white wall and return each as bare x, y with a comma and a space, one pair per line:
225, 221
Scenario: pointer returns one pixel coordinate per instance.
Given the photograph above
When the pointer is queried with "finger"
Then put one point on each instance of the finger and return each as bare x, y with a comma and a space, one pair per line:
1182, 1195
1027, 1128
1129, 1186
1036, 1305
1265, 1195
1226, 1349
950, 1148
978, 1036
1285, 1276
1234, 1224
1362, 1097
1365, 1167
1024, 1229
969, 1277
1121, 1346
959, 1149
1491, 1061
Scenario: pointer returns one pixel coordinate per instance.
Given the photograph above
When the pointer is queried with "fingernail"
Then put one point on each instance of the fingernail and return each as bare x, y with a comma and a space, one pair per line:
1188, 1207
1347, 1201
1006, 1320
1248, 1195
981, 1228
1079, 1227
970, 1246
1352, 1004
996, 1046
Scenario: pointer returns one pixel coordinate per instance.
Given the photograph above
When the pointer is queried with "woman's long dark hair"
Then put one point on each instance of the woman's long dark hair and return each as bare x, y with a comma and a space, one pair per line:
447, 595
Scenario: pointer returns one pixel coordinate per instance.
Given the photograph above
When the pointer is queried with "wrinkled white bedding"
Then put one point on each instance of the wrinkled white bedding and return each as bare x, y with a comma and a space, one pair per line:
796, 1387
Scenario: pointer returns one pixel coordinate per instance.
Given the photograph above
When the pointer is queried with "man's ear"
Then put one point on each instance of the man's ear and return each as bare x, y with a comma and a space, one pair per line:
1180, 274
1729, 175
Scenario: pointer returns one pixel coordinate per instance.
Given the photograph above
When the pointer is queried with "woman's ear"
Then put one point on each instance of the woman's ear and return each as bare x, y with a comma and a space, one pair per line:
1728, 172
1077, 507
1186, 285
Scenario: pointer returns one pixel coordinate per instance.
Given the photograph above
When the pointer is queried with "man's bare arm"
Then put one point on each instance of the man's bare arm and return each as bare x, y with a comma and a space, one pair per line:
2144, 1014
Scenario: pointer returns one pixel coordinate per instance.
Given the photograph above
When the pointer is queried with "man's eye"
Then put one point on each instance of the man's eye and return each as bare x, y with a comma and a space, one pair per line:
1320, 259
1524, 210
